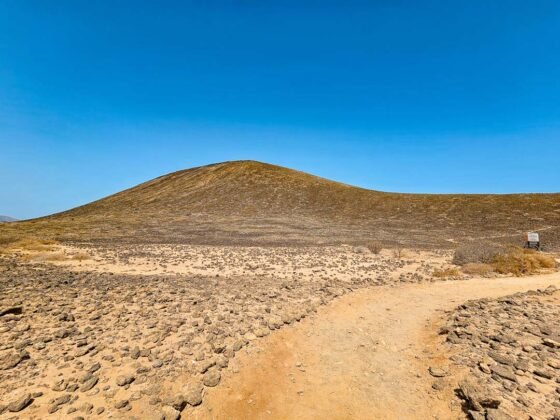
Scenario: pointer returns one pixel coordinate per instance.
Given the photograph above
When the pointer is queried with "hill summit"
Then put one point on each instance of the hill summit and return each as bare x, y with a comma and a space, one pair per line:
248, 202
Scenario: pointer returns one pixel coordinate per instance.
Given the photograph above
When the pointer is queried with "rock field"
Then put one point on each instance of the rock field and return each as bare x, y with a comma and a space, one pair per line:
142, 332
85, 344
511, 346
279, 263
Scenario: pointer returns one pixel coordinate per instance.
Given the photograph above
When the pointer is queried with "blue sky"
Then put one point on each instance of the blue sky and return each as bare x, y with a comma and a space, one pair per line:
431, 96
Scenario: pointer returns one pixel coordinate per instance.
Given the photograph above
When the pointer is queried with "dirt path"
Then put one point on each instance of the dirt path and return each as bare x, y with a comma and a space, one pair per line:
364, 356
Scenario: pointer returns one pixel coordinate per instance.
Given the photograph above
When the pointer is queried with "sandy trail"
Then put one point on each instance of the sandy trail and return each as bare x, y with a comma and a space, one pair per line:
364, 356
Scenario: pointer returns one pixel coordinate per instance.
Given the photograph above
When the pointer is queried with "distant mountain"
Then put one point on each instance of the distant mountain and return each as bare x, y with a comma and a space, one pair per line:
253, 203
7, 219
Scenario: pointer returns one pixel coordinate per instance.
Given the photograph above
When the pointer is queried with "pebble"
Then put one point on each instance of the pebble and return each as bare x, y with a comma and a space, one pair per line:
123, 380
193, 395
211, 378
21, 403
437, 372
122, 404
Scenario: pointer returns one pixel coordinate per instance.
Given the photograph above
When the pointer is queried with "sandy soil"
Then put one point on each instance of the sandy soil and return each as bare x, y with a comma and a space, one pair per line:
366, 355
343, 262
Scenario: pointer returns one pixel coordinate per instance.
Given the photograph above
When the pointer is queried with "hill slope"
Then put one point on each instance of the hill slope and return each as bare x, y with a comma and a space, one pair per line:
248, 202
7, 219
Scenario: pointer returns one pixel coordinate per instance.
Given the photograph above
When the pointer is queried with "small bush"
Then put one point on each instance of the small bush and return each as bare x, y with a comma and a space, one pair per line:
375, 247
478, 269
446, 272
477, 252
398, 252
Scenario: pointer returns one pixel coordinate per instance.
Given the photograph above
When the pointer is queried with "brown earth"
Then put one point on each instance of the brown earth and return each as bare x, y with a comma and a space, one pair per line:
249, 203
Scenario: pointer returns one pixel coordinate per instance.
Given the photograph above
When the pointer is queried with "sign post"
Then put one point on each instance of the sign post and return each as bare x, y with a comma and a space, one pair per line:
533, 241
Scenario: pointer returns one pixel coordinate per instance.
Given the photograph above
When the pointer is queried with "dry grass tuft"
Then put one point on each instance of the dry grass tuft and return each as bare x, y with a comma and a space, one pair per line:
484, 257
447, 272
519, 262
478, 269
31, 244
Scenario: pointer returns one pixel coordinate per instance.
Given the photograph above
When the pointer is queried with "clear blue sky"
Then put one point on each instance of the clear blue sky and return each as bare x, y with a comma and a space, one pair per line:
415, 96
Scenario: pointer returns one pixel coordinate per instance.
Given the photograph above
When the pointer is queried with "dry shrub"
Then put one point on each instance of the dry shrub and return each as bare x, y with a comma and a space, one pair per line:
519, 262
446, 272
478, 269
477, 252
375, 247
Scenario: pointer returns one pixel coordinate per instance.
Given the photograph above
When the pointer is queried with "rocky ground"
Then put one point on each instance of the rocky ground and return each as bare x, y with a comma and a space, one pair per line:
346, 263
381, 357
81, 344
512, 348
150, 331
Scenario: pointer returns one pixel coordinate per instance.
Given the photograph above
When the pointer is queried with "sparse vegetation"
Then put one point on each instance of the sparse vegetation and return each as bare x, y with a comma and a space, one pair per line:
375, 247
32, 244
41, 250
485, 257
519, 262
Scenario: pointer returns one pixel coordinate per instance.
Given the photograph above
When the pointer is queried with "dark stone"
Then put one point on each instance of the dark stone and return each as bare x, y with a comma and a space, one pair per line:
13, 310
20, 403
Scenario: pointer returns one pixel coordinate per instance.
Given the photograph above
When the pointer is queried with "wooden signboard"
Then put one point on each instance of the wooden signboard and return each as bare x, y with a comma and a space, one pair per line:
533, 240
